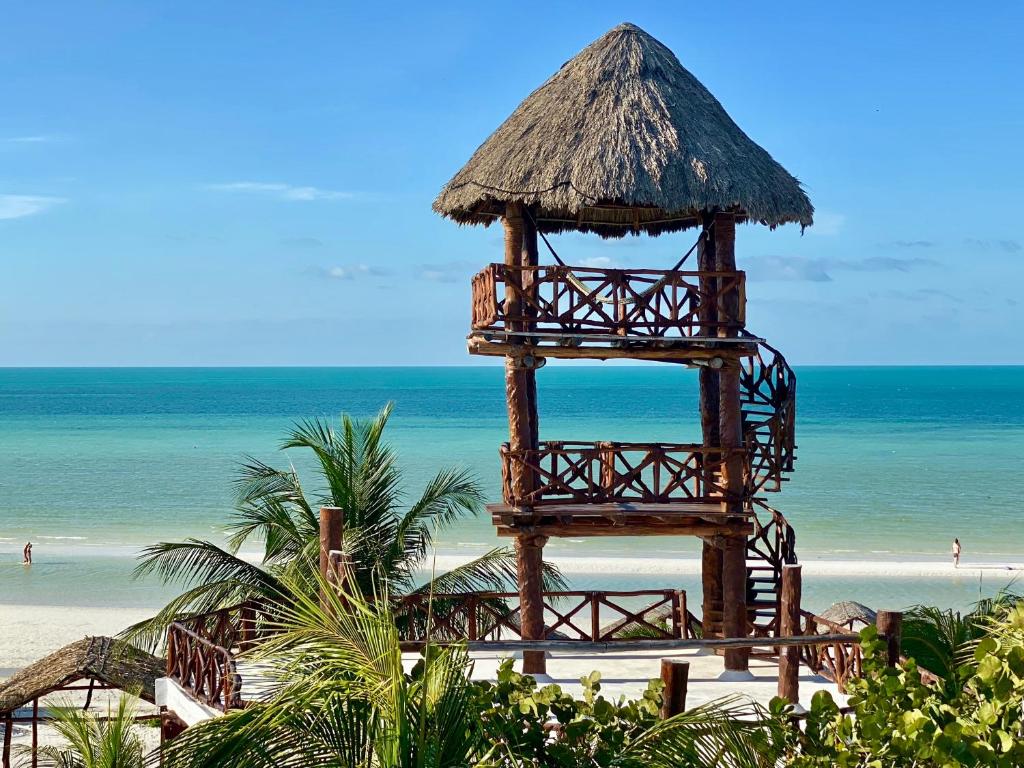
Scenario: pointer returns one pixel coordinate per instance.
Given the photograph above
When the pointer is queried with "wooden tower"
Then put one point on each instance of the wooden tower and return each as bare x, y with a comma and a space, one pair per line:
624, 141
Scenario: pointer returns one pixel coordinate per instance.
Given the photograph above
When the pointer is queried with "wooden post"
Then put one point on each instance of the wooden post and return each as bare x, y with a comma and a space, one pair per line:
8, 727
595, 617
734, 600
711, 579
730, 429
35, 733
675, 675
529, 567
789, 626
890, 624
332, 526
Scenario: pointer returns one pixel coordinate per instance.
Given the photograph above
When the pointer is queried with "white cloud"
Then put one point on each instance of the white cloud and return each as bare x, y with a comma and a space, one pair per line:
40, 139
282, 191
351, 272
599, 262
20, 206
826, 223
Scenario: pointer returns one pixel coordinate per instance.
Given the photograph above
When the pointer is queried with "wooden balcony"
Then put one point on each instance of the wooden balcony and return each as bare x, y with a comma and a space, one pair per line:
594, 489
584, 312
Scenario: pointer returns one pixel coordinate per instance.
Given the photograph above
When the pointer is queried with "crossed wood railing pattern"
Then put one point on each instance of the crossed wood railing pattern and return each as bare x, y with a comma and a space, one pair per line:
608, 472
838, 661
593, 616
768, 403
612, 302
772, 546
201, 652
203, 668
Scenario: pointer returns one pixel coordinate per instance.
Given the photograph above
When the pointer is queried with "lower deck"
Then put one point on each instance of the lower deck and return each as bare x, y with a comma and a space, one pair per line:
624, 672
693, 518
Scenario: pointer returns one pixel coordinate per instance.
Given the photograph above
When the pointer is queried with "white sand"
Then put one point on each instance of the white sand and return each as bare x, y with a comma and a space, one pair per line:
27, 633
916, 569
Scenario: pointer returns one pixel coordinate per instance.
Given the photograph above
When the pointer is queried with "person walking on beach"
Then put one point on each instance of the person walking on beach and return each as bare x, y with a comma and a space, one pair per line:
27, 554
956, 553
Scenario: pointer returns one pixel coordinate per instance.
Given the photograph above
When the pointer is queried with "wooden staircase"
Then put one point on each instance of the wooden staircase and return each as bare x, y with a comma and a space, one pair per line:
772, 546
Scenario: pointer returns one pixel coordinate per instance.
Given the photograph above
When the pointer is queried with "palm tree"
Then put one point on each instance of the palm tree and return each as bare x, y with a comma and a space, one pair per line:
942, 640
385, 538
344, 698
93, 742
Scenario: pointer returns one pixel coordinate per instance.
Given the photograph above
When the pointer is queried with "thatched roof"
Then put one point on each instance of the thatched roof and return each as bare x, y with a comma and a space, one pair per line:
103, 659
849, 611
623, 139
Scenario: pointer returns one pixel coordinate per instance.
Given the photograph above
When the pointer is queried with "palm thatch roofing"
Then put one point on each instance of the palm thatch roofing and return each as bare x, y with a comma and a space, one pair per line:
103, 659
848, 611
623, 139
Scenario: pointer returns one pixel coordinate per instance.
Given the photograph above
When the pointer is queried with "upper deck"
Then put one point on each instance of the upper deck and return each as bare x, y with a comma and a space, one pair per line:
587, 312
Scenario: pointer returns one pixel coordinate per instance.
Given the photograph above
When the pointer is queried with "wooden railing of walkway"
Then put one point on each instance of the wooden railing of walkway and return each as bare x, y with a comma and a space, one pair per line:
606, 302
610, 472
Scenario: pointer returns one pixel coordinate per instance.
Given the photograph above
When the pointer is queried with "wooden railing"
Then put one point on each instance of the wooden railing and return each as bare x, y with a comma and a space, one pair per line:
606, 472
586, 616
614, 302
768, 401
838, 660
201, 651
203, 668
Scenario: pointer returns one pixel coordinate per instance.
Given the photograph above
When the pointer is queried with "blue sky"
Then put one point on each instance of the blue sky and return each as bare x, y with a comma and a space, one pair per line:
250, 183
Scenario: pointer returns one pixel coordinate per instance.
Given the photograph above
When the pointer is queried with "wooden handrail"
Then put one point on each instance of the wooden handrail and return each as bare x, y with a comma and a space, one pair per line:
644, 645
636, 303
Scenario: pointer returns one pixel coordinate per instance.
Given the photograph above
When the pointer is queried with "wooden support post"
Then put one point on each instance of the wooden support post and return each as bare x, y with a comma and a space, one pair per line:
730, 433
520, 373
529, 567
8, 729
35, 733
711, 582
734, 600
890, 624
789, 626
332, 526
675, 675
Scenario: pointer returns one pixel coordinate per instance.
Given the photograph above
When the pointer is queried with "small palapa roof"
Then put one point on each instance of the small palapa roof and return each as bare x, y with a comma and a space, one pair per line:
849, 610
623, 139
103, 659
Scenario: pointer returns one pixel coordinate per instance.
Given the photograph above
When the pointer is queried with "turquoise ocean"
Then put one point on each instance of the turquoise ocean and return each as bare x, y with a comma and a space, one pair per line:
893, 463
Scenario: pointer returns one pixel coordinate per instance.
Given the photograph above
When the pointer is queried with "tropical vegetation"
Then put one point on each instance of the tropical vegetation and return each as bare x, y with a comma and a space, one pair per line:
92, 741
347, 699
387, 537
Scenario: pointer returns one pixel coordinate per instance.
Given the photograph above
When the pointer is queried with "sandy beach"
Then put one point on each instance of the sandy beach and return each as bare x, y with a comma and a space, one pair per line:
28, 632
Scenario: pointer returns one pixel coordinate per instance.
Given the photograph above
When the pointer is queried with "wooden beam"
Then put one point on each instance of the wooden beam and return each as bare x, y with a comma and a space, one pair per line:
890, 624
530, 572
8, 728
586, 646
789, 626
675, 674
734, 600
681, 354
332, 527
711, 586
632, 528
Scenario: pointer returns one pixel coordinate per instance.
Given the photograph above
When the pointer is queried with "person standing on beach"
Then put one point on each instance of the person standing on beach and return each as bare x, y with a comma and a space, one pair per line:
956, 553
27, 554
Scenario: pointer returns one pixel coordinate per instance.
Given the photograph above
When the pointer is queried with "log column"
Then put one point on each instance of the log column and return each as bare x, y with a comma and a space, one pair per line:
711, 576
707, 311
332, 526
521, 397
789, 626
730, 429
529, 568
